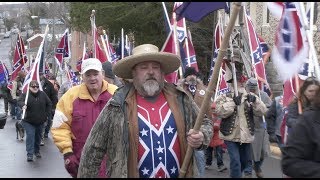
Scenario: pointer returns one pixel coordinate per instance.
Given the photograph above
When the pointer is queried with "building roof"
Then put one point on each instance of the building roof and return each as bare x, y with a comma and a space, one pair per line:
50, 21
35, 36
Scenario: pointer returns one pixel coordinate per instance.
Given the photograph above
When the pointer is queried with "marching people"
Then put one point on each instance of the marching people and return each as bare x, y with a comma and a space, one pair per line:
145, 128
215, 143
194, 87
77, 111
109, 75
260, 146
48, 88
274, 119
237, 124
38, 108
306, 95
300, 155
16, 91
66, 86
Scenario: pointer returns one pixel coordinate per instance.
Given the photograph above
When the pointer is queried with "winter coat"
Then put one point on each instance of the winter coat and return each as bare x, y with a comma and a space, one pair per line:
274, 116
260, 145
38, 107
301, 154
48, 88
116, 133
199, 94
75, 115
242, 129
216, 140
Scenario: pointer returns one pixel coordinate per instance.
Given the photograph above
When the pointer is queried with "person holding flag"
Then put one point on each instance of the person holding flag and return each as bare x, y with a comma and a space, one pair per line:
16, 91
237, 109
37, 109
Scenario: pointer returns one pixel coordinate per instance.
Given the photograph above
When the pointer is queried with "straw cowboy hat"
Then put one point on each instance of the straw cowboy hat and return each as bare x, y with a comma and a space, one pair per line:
147, 52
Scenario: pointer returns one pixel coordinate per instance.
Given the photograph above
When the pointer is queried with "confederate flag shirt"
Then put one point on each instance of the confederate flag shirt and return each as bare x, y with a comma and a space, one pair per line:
159, 149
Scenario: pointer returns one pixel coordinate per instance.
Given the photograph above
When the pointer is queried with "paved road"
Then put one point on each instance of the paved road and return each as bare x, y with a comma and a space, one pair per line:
271, 168
13, 157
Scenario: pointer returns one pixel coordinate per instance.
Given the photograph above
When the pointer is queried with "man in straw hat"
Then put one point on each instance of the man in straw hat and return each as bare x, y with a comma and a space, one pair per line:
77, 111
146, 127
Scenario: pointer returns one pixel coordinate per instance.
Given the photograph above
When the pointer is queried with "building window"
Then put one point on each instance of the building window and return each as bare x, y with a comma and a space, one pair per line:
265, 15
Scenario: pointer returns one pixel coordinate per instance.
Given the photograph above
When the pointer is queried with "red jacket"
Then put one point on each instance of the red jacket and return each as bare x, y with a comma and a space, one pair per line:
215, 140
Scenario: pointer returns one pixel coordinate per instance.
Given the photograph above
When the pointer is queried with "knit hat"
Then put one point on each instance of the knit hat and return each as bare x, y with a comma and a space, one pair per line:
107, 67
252, 83
190, 71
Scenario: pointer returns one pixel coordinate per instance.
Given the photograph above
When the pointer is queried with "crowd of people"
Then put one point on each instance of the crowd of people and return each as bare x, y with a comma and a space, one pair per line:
126, 120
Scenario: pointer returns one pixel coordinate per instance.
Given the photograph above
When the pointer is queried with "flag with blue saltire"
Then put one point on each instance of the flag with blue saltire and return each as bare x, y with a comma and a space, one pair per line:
98, 51
34, 71
170, 47
19, 60
257, 51
195, 11
112, 55
290, 50
4, 74
189, 60
63, 50
222, 87
72, 76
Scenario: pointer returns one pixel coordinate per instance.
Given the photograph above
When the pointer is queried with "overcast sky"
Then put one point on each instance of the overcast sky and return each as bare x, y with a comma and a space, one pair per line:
11, 3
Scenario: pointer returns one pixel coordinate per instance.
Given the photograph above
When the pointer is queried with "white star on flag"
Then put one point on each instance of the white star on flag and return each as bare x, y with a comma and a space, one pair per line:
144, 132
173, 170
159, 149
145, 171
170, 130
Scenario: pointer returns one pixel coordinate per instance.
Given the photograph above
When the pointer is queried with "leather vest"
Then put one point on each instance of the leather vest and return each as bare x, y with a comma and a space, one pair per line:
227, 124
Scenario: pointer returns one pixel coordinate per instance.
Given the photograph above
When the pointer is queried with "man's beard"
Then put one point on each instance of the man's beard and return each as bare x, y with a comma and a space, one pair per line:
149, 88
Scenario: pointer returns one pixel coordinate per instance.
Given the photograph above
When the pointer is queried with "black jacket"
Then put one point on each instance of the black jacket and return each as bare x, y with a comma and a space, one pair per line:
38, 107
301, 154
48, 88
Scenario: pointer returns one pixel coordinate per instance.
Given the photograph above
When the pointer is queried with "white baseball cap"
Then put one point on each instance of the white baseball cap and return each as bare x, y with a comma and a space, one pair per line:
90, 63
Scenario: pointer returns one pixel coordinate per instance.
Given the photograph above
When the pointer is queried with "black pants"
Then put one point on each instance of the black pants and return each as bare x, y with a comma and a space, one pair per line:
218, 154
6, 104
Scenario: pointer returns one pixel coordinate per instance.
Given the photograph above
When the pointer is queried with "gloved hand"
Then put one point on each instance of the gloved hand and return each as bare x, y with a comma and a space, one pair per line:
273, 139
251, 98
71, 164
237, 99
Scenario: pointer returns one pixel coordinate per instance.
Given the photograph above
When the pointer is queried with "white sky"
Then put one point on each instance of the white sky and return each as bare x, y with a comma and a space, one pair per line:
11, 3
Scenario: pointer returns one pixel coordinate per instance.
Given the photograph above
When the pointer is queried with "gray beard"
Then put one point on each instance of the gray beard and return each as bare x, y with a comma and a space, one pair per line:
151, 88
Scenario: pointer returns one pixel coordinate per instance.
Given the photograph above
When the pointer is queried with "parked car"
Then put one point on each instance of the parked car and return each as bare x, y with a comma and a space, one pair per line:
7, 34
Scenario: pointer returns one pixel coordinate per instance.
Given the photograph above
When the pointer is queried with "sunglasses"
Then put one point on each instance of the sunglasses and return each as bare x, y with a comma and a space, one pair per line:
34, 86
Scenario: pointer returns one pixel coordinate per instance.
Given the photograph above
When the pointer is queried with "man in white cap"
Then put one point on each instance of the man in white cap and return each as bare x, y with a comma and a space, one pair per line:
147, 125
77, 111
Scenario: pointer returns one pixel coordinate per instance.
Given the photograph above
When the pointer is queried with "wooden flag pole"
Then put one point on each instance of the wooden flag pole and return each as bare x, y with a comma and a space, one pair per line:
212, 83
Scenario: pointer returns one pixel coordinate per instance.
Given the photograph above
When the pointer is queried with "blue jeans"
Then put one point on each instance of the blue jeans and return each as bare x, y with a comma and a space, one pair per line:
239, 154
201, 163
257, 166
218, 154
15, 110
33, 138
